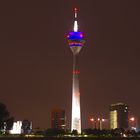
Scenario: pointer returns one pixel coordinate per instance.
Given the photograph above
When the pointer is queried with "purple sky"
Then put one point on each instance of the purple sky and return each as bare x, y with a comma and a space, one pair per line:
36, 62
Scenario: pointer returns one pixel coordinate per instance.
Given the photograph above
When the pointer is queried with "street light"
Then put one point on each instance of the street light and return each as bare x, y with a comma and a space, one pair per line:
92, 122
97, 123
132, 123
100, 126
91, 119
103, 120
132, 119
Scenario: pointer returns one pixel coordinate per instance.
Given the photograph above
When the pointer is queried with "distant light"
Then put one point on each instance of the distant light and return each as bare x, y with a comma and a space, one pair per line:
75, 9
91, 119
124, 135
98, 119
134, 128
85, 135
103, 120
132, 119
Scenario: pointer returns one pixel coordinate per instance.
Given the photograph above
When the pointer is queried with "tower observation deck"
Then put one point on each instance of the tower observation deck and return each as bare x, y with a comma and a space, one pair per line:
76, 42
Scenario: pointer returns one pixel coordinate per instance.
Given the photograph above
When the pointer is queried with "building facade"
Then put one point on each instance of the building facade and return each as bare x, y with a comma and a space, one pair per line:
119, 116
58, 119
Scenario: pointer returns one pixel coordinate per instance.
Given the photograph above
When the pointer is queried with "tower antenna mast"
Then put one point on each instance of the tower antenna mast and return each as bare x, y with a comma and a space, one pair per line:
75, 28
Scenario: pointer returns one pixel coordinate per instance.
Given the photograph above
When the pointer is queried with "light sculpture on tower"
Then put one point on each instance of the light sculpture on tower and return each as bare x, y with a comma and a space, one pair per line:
76, 42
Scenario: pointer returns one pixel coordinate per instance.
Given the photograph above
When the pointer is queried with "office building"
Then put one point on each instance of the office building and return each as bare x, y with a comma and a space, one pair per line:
119, 116
58, 119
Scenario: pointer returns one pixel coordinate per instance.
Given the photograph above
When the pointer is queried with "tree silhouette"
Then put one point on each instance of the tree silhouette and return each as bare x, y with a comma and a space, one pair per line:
74, 132
6, 122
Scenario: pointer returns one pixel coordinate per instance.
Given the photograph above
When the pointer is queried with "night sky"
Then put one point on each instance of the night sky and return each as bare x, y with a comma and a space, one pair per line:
36, 62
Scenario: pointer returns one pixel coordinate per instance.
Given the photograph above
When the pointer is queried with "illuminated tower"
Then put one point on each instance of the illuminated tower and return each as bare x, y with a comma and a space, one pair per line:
76, 42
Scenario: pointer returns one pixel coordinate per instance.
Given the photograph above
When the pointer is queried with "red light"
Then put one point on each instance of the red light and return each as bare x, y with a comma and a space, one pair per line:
76, 72
91, 119
75, 9
132, 119
81, 35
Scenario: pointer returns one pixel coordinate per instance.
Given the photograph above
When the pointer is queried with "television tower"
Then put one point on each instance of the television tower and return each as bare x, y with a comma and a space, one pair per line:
76, 42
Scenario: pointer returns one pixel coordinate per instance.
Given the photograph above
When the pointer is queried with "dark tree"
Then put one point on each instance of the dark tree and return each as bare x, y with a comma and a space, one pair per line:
74, 132
5, 120
9, 123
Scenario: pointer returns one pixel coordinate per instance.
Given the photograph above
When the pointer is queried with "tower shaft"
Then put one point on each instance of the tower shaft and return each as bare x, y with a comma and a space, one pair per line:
76, 114
76, 42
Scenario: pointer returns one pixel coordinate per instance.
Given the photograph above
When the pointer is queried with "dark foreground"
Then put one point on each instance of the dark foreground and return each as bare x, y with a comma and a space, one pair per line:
69, 138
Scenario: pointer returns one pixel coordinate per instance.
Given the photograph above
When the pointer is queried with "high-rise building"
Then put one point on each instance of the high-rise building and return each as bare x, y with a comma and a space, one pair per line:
58, 119
76, 43
16, 129
119, 116
26, 127
21, 127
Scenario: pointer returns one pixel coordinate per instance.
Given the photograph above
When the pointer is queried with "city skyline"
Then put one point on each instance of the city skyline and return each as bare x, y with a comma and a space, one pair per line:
36, 61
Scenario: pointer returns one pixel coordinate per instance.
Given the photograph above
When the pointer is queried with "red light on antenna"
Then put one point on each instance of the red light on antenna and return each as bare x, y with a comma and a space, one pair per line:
75, 9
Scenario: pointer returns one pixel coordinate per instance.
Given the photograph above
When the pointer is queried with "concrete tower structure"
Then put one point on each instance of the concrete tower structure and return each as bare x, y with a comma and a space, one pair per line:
76, 42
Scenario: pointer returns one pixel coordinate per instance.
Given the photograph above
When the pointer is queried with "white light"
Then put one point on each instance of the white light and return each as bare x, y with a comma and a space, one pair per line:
124, 135
75, 26
92, 119
103, 120
132, 119
75, 12
75, 15
133, 128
